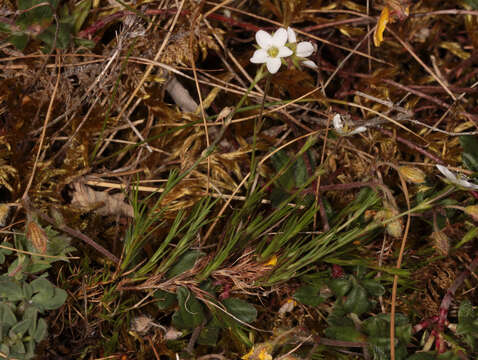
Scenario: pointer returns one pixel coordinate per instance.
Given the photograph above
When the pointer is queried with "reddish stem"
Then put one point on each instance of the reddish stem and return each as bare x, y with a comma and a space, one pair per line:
448, 298
104, 21
425, 324
414, 146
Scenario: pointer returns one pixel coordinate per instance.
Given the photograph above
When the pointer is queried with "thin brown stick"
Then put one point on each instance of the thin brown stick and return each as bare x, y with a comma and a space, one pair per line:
448, 298
150, 67
195, 23
42, 137
399, 260
413, 146
70, 231
409, 48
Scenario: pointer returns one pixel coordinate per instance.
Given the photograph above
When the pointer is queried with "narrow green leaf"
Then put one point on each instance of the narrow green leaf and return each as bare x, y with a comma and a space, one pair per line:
31, 313
40, 331
80, 13
20, 328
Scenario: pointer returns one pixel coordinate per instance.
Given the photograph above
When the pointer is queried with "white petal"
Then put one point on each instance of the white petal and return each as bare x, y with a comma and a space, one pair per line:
457, 180
310, 64
263, 39
358, 130
279, 38
284, 51
448, 174
305, 48
337, 121
273, 65
260, 56
291, 35
467, 184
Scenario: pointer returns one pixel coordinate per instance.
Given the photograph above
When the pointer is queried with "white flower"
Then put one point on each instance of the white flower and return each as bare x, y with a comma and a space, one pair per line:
458, 180
343, 130
303, 49
272, 49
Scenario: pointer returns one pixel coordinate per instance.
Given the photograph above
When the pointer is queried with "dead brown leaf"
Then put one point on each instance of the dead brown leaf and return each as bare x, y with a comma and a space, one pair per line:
100, 201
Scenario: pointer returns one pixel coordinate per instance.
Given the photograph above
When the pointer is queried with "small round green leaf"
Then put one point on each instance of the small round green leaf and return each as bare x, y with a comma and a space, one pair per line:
373, 287
190, 314
165, 300
185, 263
241, 309
357, 300
308, 295
340, 287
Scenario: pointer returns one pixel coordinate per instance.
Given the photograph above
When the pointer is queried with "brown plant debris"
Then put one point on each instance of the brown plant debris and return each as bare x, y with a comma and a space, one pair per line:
102, 203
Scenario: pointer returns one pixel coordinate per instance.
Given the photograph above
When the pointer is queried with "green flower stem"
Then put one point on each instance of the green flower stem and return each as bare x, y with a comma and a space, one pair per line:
257, 128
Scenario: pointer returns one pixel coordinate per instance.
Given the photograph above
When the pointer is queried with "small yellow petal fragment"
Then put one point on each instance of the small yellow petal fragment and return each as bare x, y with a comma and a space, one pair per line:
248, 355
259, 351
287, 307
264, 355
381, 25
272, 261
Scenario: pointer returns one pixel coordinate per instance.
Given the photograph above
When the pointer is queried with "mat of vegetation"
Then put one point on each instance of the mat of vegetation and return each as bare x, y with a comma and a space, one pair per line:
270, 179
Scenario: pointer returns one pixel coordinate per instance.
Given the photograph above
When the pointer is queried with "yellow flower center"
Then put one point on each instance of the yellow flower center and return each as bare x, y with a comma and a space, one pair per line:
273, 51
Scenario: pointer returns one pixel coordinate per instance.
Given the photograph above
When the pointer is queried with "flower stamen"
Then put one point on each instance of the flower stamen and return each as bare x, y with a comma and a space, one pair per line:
273, 51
